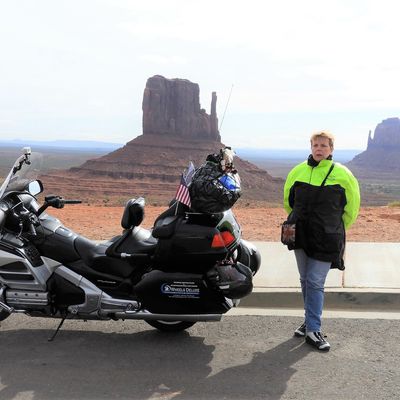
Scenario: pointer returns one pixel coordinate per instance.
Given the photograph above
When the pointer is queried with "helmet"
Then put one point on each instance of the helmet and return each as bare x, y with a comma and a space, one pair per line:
234, 280
211, 192
230, 181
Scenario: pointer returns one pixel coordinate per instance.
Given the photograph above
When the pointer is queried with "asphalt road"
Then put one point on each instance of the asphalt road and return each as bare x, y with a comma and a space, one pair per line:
241, 357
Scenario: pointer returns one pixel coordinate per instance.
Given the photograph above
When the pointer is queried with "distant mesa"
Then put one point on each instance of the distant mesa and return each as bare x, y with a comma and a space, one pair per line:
386, 135
172, 107
383, 150
176, 130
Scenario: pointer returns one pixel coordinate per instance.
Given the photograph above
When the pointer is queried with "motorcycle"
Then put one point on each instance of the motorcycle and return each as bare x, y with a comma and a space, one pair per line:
189, 267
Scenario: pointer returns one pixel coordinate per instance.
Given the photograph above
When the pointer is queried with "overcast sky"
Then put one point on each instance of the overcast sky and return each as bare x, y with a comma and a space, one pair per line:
77, 69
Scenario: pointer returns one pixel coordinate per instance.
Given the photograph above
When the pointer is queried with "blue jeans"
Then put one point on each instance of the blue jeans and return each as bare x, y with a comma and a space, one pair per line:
312, 278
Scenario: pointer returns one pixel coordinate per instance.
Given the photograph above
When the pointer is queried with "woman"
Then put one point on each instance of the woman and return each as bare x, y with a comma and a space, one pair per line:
322, 199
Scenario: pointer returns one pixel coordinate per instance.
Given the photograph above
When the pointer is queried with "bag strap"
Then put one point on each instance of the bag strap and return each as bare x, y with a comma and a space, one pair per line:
329, 172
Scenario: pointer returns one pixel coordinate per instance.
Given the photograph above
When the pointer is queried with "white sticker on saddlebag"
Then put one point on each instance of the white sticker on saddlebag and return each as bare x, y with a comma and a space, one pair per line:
181, 289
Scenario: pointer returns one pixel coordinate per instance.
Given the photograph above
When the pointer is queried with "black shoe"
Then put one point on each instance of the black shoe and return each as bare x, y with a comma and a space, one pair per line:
301, 330
317, 340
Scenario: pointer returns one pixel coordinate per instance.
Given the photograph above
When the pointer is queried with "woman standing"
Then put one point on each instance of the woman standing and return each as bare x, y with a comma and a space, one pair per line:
322, 199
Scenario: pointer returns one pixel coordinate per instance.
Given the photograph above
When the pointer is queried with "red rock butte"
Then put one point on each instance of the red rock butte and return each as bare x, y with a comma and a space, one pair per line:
383, 150
175, 131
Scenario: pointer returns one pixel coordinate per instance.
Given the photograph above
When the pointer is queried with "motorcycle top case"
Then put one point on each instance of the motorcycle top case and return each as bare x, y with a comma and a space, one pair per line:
186, 246
178, 293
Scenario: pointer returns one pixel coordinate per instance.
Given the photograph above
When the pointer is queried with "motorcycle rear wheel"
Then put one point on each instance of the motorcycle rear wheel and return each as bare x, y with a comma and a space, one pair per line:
170, 326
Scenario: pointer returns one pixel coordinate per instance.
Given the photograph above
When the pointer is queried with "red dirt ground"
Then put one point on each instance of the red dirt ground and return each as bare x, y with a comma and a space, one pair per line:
374, 224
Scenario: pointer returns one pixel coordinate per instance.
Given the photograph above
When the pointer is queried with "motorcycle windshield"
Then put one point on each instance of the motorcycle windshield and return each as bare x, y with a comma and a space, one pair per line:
19, 180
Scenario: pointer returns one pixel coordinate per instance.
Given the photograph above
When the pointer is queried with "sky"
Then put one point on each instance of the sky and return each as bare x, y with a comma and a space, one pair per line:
77, 69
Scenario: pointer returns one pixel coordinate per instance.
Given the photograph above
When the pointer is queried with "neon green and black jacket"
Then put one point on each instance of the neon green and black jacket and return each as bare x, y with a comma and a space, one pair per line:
321, 213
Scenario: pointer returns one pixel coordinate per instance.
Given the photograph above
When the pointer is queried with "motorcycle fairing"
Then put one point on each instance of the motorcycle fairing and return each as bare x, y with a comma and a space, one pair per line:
18, 272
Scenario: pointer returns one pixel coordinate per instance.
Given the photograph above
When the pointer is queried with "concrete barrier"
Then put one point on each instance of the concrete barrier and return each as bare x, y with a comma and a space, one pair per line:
368, 265
370, 282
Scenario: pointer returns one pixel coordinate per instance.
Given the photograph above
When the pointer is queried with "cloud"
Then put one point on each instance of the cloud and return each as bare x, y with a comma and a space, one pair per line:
307, 61
162, 59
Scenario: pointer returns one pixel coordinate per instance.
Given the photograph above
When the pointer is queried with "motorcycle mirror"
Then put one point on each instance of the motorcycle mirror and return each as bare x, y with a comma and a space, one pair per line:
35, 187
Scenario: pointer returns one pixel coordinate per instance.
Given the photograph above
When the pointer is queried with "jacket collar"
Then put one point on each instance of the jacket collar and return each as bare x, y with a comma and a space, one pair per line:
312, 163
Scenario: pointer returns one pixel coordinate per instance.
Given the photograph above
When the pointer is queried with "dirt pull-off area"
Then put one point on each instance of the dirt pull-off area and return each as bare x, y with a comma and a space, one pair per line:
374, 224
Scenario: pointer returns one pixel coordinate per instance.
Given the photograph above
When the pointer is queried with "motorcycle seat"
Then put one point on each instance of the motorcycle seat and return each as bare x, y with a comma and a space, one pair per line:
165, 223
165, 227
89, 250
94, 256
133, 241
133, 213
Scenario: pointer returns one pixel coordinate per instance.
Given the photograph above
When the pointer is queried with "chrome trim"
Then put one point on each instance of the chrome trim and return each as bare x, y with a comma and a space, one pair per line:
98, 304
2, 291
7, 258
146, 315
229, 303
17, 297
3, 305
40, 274
111, 306
6, 308
93, 294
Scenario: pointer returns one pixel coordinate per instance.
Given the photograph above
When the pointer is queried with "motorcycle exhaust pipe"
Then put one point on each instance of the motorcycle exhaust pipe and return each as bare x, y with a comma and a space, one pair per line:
145, 315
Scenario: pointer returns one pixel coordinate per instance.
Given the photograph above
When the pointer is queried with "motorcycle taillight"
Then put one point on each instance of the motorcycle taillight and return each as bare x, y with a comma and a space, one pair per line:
222, 239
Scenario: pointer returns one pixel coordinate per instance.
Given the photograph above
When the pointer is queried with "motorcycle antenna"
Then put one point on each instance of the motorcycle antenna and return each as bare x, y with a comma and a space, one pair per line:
226, 107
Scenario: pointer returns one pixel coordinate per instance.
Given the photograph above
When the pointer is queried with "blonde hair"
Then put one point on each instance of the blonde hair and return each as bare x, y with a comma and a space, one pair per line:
325, 134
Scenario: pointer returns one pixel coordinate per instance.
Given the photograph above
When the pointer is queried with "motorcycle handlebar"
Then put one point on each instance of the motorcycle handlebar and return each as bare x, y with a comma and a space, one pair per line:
72, 201
56, 202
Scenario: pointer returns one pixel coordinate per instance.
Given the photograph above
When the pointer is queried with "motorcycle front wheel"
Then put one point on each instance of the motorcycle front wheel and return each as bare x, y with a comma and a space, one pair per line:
170, 326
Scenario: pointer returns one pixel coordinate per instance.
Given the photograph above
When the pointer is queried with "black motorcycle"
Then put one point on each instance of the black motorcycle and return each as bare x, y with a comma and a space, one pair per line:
190, 267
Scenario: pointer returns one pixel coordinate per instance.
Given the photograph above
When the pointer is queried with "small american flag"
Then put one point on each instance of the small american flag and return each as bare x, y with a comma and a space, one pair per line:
182, 194
188, 174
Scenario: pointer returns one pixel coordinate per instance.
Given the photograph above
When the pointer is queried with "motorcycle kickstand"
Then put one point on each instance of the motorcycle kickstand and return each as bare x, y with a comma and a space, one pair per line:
50, 339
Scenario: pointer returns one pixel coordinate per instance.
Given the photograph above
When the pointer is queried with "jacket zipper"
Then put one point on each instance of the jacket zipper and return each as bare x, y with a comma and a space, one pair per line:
312, 170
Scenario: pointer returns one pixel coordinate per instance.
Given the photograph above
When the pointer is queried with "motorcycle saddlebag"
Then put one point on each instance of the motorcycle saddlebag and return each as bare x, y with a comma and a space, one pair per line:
234, 280
188, 248
179, 293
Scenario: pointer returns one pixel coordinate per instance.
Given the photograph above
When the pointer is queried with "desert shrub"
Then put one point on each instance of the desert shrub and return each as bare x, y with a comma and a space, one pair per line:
394, 204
